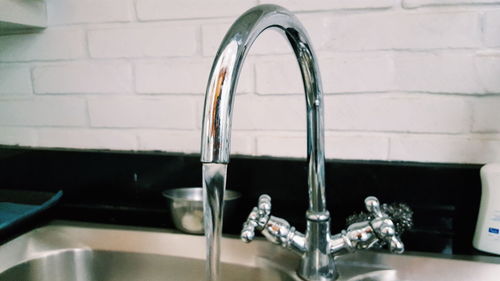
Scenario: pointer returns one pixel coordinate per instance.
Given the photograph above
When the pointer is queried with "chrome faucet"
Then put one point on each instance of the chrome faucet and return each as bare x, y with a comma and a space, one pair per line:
317, 247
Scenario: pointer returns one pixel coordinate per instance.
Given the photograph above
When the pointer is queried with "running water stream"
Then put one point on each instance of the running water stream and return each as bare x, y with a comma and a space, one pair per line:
214, 184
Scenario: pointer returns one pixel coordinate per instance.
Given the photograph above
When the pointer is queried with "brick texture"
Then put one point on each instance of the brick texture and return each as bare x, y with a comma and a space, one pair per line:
144, 41
86, 138
423, 3
491, 27
403, 31
179, 9
404, 80
83, 78
437, 73
315, 5
66, 112
486, 115
397, 113
51, 44
18, 136
190, 77
438, 148
15, 80
171, 113
89, 11
346, 73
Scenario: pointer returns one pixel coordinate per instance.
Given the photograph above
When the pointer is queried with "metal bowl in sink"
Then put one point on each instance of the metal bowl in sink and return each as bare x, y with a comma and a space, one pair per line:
186, 207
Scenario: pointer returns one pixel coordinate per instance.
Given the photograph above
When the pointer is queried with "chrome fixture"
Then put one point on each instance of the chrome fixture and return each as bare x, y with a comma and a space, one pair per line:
317, 247
380, 226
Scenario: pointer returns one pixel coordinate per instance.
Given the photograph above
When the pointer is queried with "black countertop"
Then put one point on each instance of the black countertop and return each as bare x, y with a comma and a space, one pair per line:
125, 188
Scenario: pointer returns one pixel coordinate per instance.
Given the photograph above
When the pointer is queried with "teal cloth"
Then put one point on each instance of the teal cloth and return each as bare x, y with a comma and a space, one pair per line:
11, 213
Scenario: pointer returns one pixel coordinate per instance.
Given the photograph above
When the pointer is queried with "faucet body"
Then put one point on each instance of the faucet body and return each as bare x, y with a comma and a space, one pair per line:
316, 246
216, 126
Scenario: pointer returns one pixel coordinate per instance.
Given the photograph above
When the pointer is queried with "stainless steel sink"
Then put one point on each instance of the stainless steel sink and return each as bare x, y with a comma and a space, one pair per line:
65, 251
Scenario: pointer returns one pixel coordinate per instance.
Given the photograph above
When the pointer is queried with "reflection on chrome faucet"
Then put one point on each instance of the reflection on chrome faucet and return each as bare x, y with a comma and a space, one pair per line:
317, 247
380, 226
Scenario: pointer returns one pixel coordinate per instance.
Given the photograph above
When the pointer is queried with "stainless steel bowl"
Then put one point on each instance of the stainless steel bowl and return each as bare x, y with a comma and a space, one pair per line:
186, 207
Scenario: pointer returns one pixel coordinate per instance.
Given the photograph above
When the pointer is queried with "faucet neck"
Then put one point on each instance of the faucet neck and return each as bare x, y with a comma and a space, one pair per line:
216, 127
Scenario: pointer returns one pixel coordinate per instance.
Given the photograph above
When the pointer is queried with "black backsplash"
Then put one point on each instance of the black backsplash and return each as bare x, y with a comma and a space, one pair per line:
125, 188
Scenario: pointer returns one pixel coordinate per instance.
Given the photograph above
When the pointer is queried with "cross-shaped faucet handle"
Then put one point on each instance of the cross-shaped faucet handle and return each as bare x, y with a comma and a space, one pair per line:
257, 218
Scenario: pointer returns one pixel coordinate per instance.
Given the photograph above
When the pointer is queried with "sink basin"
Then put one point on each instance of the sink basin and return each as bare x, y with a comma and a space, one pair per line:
65, 251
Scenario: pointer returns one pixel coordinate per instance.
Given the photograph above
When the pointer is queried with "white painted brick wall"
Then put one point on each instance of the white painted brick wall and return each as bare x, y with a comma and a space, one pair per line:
269, 113
486, 115
15, 80
180, 9
488, 69
422, 3
60, 112
437, 73
278, 76
381, 31
148, 40
317, 5
491, 27
63, 12
86, 139
358, 73
269, 42
50, 44
405, 80
189, 142
397, 113
83, 78
157, 78
344, 73
338, 146
357, 146
190, 77
18, 136
166, 112
443, 148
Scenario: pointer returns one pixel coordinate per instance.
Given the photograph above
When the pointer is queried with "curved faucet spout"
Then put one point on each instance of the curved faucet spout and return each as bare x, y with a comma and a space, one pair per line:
215, 142
316, 263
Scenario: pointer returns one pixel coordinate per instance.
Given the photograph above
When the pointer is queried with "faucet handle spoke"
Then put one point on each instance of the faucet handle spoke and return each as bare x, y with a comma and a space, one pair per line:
257, 219
373, 206
264, 209
386, 222
396, 245
389, 222
385, 230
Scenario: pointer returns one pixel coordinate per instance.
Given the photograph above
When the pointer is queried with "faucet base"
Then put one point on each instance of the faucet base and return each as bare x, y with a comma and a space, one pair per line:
317, 248
317, 263
323, 274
